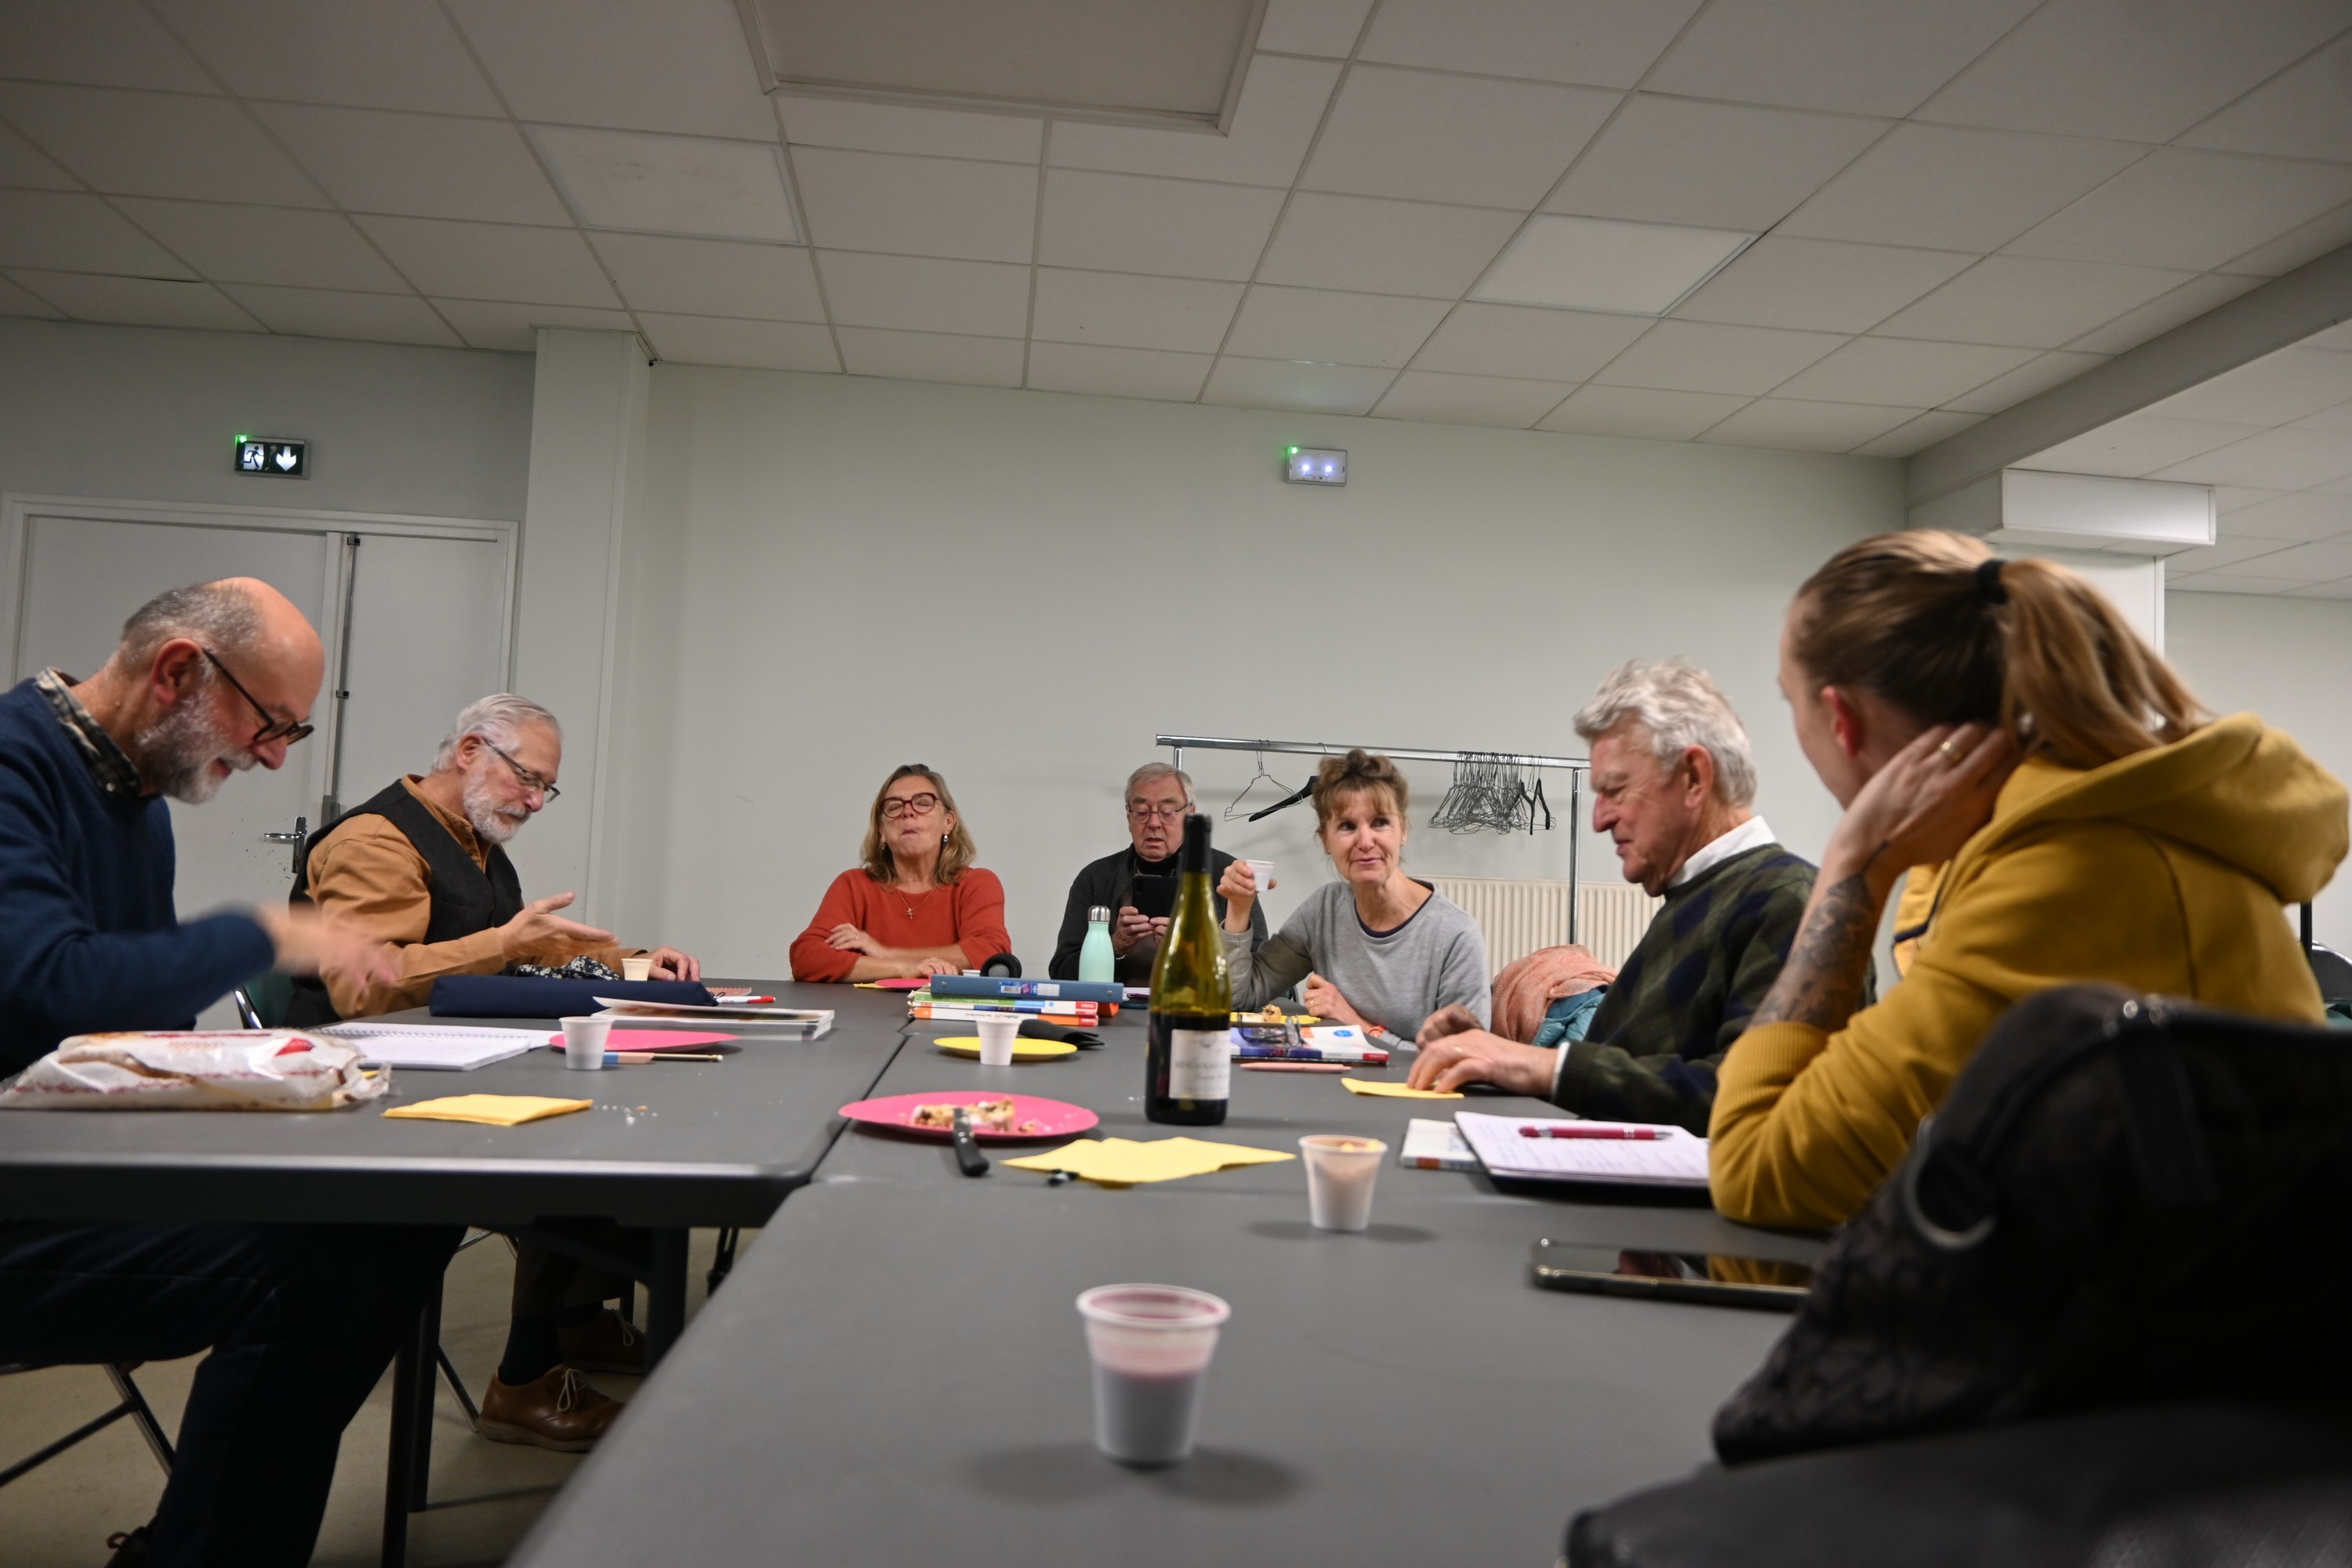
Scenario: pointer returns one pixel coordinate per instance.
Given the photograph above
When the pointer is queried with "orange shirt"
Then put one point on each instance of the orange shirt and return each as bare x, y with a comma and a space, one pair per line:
968, 913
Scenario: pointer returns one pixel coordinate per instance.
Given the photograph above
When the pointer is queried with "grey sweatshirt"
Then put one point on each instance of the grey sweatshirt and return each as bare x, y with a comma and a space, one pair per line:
1395, 980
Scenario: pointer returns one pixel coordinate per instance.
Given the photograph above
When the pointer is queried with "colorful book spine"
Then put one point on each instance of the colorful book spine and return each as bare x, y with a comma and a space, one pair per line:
980, 1015
1009, 1003
1057, 990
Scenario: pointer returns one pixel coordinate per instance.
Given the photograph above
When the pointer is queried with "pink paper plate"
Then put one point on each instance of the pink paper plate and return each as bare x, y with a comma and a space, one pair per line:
655, 1040
1055, 1118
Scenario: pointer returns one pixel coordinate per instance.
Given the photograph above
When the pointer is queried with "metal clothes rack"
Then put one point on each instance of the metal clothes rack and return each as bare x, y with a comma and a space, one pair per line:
1573, 766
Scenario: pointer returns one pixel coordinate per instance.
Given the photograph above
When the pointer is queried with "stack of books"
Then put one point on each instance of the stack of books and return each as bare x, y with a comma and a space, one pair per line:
969, 998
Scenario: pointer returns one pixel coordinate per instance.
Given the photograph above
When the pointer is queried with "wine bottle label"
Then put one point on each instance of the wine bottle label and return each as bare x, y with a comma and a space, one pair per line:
1200, 1064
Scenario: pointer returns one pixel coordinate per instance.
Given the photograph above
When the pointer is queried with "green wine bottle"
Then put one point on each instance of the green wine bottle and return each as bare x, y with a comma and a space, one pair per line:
1188, 1066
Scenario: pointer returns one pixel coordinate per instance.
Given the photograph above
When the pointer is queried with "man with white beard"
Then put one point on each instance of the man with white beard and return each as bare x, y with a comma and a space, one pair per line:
422, 865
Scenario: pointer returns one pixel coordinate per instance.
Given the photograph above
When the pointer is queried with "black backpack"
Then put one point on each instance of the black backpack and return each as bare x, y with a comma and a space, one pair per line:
2122, 1200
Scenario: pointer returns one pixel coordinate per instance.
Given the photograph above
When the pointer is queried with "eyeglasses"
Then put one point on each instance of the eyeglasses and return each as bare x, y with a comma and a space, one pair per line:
273, 727
897, 805
524, 775
1146, 811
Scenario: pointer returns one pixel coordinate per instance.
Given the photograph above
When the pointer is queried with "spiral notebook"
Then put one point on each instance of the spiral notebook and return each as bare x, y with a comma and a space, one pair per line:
434, 1048
1676, 1160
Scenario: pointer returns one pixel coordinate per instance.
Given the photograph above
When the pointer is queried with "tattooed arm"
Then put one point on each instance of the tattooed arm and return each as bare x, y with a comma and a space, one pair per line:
1822, 983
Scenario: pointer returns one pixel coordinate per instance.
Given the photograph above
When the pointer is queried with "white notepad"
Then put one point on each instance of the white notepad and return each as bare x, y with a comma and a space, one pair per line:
435, 1048
1677, 1160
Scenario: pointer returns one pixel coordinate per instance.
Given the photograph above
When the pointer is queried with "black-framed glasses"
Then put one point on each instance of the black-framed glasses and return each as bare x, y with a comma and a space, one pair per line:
273, 727
1144, 811
524, 775
897, 805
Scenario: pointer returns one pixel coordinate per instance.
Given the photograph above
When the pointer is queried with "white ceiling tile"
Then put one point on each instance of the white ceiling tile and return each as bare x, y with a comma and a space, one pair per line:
2228, 554
2129, 70
512, 329
1345, 328
77, 234
2337, 339
1102, 372
2306, 562
1954, 189
420, 166
1437, 398
138, 301
1528, 343
922, 294
1819, 284
155, 144
2302, 515
1326, 28
1807, 426
2231, 582
2029, 302
492, 262
105, 43
682, 67
2340, 589
2329, 231
1699, 356
1384, 247
1606, 263
761, 346
2135, 446
293, 246
2187, 209
2035, 375
931, 356
1281, 102
1290, 385
1127, 223
670, 184
712, 276
362, 53
2161, 314
918, 207
2305, 112
1920, 434
1901, 371
1125, 309
24, 165
2286, 459
1641, 411
1862, 56
1590, 41
2275, 389
903, 127
1472, 140
1717, 165
332, 314
2228, 499
15, 300
2337, 418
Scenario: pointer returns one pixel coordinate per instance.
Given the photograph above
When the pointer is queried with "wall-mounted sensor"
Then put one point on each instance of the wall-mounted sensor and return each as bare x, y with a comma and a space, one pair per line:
1315, 465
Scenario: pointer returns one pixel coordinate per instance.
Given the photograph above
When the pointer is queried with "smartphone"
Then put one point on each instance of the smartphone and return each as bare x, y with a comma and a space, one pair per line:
1714, 1279
1154, 897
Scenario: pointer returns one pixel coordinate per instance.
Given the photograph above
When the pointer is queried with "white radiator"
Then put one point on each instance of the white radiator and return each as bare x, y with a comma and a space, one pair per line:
1518, 917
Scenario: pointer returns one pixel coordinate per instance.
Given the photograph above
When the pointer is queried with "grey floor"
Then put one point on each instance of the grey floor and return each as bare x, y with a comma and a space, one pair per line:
485, 1494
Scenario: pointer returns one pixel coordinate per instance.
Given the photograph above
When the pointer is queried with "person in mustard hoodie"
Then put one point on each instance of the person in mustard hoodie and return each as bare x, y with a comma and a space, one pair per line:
2002, 720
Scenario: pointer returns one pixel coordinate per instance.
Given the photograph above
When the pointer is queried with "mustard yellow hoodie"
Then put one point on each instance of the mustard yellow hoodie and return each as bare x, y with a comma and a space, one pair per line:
2165, 871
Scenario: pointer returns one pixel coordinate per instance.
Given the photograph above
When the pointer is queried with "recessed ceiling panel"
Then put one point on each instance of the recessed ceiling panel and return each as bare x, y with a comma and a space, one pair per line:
1121, 61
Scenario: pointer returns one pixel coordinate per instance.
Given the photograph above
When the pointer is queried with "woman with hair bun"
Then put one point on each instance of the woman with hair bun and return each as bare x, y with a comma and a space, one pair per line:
2000, 720
1377, 948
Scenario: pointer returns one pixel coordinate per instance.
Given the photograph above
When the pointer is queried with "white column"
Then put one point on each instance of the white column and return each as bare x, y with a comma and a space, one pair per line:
587, 463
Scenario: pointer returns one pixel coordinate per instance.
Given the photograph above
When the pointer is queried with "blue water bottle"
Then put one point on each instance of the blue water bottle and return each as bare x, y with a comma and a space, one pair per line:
1096, 961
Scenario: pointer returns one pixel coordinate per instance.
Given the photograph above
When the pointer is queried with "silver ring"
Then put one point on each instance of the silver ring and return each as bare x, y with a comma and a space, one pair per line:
1945, 752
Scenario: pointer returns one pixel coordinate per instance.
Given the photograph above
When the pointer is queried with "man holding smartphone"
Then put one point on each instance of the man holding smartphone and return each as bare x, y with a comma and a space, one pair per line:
1137, 884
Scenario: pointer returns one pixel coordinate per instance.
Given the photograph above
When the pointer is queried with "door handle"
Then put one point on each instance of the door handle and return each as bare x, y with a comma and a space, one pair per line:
301, 831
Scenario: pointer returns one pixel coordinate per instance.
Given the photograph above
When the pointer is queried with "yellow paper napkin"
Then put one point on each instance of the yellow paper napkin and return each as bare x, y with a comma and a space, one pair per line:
1396, 1090
1124, 1161
492, 1110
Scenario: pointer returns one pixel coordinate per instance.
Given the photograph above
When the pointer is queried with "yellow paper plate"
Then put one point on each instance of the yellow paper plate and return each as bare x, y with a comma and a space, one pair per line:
1022, 1050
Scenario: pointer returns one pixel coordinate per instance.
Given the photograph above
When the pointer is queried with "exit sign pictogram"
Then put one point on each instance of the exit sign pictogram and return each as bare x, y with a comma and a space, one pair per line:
274, 456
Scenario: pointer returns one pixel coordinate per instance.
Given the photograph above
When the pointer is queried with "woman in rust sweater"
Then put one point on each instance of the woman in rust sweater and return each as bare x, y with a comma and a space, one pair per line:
917, 906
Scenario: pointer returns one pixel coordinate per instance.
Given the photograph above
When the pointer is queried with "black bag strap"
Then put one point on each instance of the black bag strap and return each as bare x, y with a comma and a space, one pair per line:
2167, 1139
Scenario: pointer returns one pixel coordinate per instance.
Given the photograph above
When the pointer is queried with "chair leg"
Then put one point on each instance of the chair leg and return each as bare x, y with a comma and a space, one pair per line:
149, 1427
422, 1365
457, 1385
724, 1264
87, 1428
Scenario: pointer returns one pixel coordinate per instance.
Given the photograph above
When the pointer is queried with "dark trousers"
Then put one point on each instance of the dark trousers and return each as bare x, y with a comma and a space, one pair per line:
546, 1280
301, 1320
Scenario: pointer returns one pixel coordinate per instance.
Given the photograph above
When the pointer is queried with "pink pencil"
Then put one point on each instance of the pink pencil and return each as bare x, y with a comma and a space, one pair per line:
1636, 1135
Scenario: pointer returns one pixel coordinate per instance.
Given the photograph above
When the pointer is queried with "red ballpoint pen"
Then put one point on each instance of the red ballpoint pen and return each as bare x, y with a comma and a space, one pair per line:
1639, 1134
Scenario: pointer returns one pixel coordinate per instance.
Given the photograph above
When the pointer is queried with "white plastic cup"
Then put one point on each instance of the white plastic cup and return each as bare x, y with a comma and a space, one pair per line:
1264, 871
996, 1040
1341, 1171
638, 968
583, 1043
1152, 1345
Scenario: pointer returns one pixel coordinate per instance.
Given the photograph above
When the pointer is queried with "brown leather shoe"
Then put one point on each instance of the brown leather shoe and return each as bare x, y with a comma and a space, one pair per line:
559, 1411
606, 1342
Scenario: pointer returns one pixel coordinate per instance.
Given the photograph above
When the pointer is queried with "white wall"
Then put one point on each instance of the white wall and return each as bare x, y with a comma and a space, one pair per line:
2289, 660
148, 413
836, 575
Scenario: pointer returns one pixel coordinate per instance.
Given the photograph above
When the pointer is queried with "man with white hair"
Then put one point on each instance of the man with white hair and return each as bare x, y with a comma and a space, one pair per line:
422, 865
1672, 784
1158, 797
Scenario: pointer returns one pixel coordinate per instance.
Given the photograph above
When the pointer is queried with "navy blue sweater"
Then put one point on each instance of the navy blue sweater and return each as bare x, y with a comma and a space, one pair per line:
87, 937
